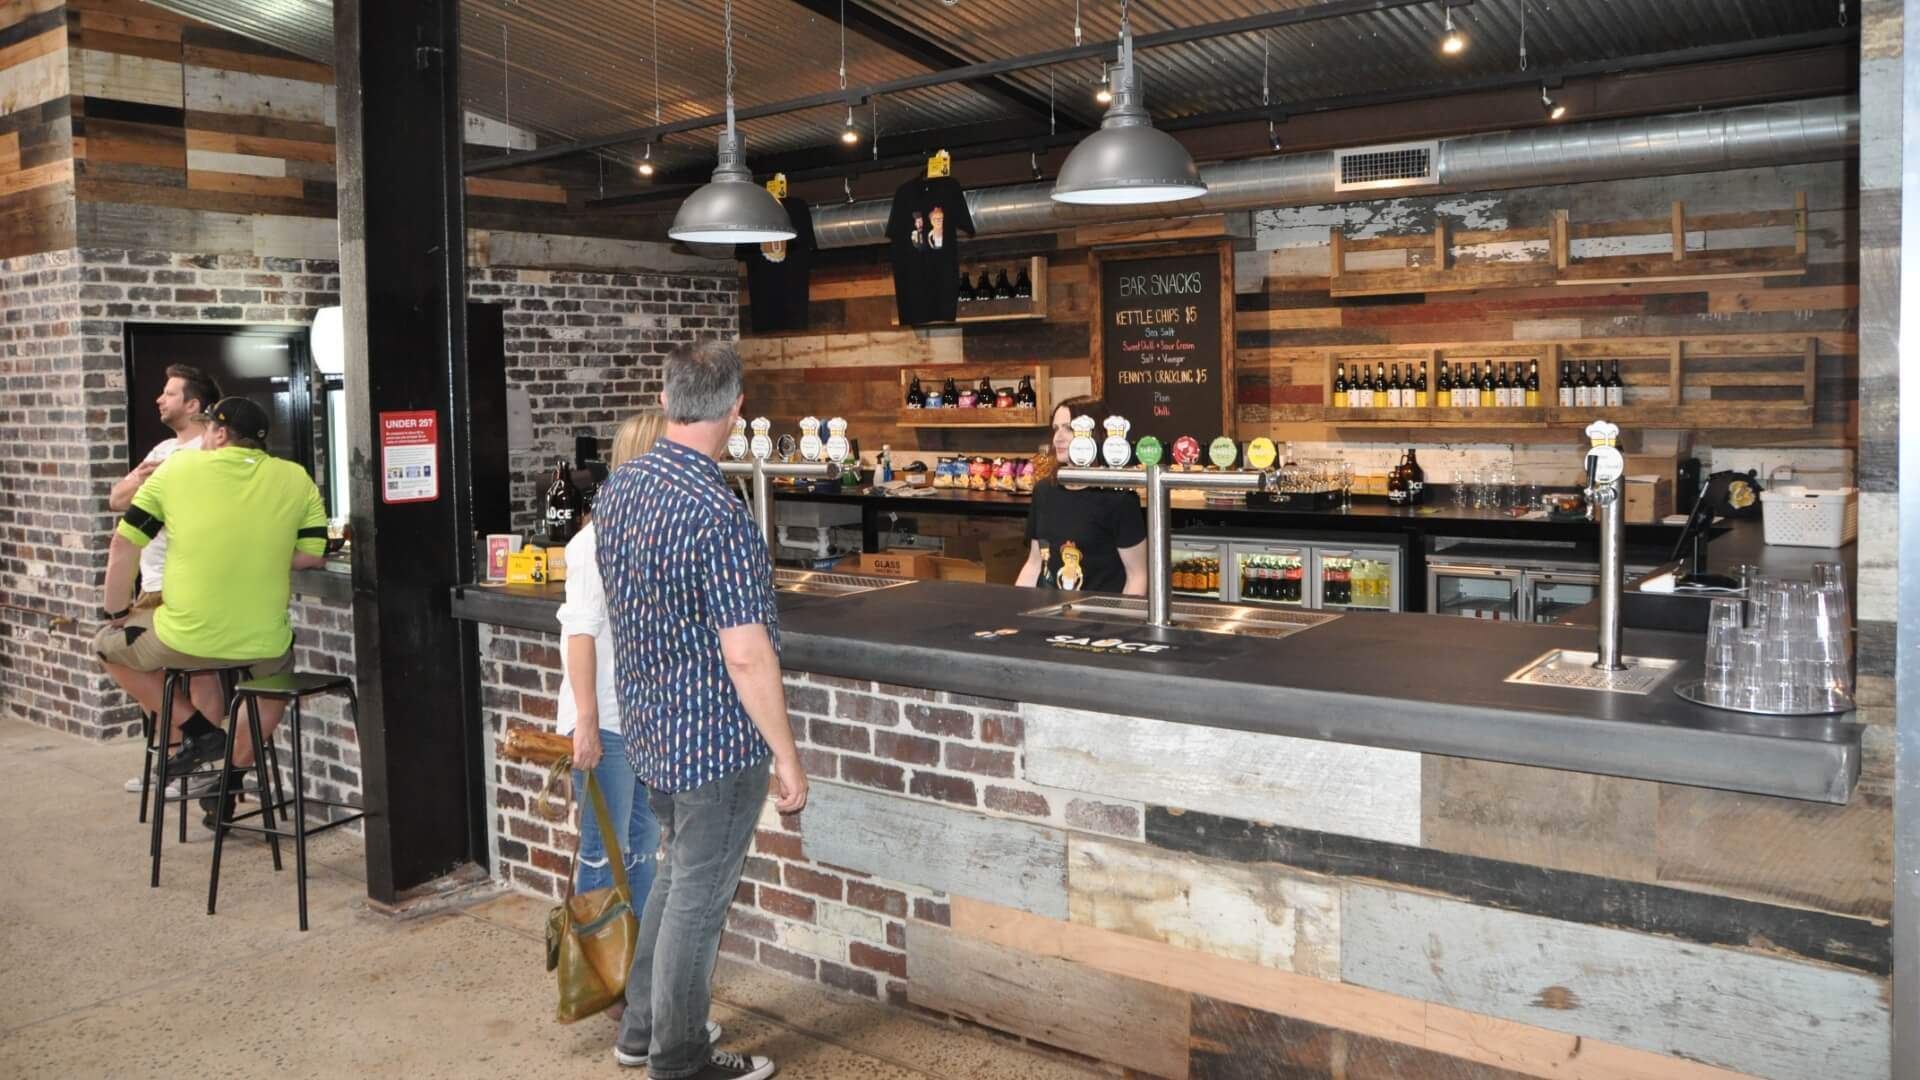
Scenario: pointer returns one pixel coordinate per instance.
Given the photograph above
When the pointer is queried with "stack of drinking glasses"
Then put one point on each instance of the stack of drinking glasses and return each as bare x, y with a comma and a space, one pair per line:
1786, 650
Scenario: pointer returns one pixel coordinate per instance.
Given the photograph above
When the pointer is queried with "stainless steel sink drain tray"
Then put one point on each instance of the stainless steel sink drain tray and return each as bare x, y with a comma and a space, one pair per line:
1573, 669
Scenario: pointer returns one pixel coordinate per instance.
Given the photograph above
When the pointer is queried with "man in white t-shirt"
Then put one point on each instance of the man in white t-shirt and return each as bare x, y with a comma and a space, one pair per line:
183, 402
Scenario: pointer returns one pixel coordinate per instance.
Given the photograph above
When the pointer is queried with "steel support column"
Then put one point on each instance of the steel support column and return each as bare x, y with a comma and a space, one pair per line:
403, 287
1906, 768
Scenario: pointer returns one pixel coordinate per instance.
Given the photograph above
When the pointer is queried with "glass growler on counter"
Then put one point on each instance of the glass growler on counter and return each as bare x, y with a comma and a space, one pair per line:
561, 513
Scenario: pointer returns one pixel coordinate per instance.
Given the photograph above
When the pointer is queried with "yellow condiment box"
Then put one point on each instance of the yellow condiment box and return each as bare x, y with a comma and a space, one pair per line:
527, 567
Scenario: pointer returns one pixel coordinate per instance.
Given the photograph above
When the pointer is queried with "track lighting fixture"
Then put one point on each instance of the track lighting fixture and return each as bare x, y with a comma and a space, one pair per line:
850, 135
1555, 110
1453, 42
645, 167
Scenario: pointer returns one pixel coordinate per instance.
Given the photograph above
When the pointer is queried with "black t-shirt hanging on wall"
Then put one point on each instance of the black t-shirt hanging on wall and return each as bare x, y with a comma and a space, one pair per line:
1084, 531
928, 217
777, 274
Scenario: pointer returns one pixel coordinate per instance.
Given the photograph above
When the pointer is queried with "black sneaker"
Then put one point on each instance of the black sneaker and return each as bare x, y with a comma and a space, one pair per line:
197, 750
725, 1065
635, 1060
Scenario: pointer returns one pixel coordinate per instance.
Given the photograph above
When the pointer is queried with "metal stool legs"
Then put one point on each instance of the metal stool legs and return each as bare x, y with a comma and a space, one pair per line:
291, 690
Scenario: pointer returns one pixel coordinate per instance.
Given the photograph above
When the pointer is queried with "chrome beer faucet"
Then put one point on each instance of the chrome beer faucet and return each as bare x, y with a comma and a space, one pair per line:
1607, 504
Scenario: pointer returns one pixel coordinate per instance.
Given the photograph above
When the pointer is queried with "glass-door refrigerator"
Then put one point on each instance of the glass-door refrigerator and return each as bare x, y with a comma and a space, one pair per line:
1553, 593
1278, 574
1476, 592
1356, 578
1199, 568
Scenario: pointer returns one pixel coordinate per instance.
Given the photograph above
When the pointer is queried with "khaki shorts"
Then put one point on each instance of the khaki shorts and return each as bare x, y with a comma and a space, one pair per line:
136, 646
148, 601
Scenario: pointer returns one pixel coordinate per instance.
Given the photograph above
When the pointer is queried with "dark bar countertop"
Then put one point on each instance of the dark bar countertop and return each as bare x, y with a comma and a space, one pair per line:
1432, 684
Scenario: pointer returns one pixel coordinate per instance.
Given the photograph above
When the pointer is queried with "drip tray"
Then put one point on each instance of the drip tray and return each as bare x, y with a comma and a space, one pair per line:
827, 583
1574, 670
1211, 618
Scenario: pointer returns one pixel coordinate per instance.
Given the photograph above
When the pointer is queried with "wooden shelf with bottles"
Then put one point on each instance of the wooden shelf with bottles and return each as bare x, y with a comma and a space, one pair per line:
1437, 412
964, 376
1028, 308
1746, 381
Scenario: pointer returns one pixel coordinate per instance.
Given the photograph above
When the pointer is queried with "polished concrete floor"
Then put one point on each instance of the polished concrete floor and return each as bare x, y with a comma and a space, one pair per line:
101, 976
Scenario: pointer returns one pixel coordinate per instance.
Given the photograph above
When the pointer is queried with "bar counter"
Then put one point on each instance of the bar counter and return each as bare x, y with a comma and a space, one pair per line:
1243, 856
1425, 683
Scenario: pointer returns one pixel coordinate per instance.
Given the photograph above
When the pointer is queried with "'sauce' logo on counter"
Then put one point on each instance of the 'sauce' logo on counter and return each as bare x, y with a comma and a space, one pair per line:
1106, 645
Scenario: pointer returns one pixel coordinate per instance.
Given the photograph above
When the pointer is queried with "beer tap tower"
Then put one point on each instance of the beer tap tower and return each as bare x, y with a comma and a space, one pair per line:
1606, 505
1158, 482
763, 472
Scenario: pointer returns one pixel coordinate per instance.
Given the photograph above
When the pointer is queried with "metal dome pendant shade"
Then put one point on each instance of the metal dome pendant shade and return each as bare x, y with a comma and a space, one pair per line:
731, 208
1128, 161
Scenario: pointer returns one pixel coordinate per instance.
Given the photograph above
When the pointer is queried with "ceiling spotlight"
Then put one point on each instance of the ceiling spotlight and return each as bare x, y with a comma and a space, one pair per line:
1104, 94
1454, 42
1555, 110
645, 167
850, 134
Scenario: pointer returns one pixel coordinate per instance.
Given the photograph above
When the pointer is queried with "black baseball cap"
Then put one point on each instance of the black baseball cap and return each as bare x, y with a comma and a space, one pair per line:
241, 416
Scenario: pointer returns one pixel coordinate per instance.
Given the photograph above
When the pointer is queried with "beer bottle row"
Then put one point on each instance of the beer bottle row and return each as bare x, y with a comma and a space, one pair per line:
1601, 390
1498, 385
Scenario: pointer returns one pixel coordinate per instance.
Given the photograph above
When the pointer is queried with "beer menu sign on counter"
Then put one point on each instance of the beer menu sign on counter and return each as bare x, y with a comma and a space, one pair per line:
1160, 351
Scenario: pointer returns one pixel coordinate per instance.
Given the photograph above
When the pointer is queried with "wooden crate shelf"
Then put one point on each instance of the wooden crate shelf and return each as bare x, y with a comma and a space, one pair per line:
967, 375
990, 311
1435, 266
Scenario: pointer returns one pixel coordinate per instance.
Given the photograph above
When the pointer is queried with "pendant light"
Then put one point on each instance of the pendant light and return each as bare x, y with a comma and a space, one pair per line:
731, 208
1128, 161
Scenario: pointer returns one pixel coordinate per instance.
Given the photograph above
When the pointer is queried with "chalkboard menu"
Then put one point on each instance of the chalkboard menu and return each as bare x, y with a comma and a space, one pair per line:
1158, 349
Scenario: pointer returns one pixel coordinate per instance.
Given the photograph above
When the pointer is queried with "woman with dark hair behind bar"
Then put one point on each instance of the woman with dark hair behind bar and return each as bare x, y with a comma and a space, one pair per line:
1082, 538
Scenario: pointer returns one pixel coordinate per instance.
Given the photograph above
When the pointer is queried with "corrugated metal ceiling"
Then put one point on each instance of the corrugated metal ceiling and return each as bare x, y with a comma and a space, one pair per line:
575, 68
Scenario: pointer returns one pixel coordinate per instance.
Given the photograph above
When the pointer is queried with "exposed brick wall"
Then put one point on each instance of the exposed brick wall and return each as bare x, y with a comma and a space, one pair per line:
811, 920
63, 413
65, 395
323, 643
588, 349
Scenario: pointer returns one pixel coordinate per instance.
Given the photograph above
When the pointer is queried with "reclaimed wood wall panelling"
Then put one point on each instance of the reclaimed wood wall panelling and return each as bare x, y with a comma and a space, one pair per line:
1134, 1023
1262, 915
1531, 1051
1525, 874
951, 850
1769, 1017
1306, 783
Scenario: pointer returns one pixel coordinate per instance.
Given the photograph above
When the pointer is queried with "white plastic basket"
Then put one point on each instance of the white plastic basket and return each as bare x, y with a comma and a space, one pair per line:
1811, 517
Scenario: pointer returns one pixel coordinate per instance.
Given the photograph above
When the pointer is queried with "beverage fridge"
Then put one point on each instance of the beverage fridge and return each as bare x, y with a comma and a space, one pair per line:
1295, 574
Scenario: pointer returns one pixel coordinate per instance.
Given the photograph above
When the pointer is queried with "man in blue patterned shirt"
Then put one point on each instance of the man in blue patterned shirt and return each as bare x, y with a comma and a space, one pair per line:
696, 645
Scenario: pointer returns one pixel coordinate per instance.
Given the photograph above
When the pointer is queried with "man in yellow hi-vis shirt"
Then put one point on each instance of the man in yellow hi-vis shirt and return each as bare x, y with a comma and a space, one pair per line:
240, 521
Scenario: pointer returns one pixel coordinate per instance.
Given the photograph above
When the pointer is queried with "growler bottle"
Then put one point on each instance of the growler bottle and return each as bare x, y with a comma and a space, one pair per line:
562, 514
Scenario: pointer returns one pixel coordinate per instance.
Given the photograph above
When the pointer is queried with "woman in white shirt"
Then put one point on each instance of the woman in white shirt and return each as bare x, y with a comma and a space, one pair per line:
589, 707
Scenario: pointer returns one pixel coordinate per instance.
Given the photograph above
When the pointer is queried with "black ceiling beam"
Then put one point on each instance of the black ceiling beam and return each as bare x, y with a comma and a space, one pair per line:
901, 41
808, 165
1331, 9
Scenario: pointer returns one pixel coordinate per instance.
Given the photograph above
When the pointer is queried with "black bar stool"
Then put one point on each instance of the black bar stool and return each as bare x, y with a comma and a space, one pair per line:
155, 778
293, 687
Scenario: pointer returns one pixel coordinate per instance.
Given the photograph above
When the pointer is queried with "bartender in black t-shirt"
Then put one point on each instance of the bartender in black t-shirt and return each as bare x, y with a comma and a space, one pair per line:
1091, 539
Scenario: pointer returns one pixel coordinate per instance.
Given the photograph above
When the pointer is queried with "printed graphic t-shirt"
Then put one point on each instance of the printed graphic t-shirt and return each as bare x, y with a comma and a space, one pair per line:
1097, 522
778, 274
924, 231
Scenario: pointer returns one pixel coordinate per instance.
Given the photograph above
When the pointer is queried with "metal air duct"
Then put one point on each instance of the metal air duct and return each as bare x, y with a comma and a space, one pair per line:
1751, 136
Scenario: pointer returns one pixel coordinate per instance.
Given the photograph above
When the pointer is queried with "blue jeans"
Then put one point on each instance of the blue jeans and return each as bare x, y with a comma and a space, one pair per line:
670, 987
626, 801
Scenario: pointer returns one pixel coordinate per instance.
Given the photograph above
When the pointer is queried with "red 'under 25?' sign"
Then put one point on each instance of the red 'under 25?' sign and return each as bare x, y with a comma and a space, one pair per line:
409, 456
